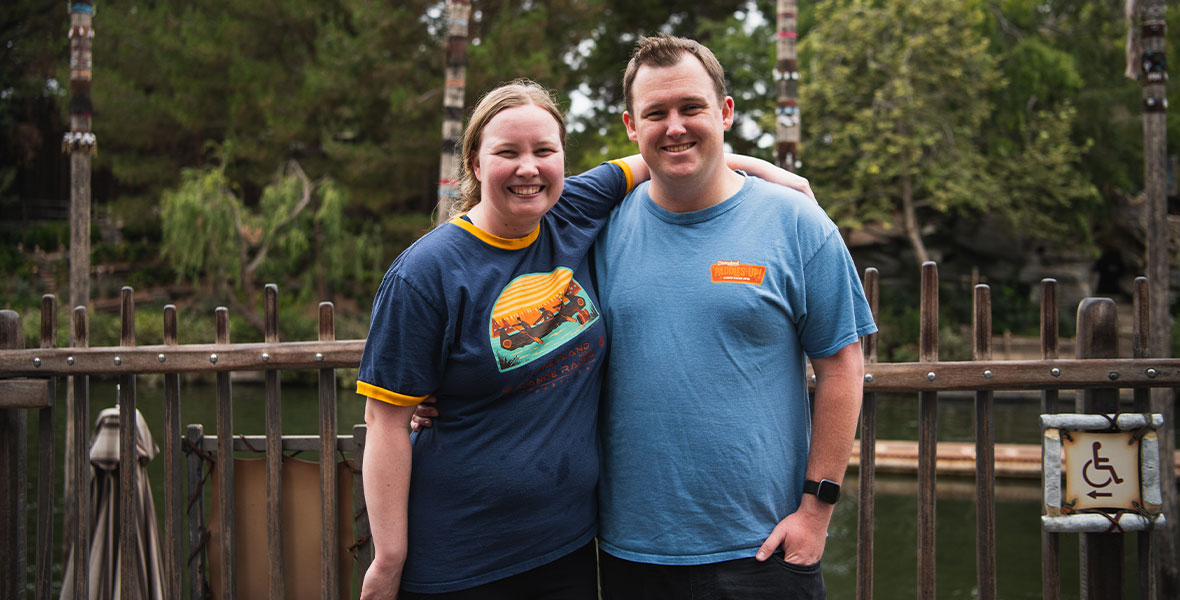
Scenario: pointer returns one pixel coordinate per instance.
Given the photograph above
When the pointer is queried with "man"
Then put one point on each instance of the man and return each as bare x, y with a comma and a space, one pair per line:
715, 286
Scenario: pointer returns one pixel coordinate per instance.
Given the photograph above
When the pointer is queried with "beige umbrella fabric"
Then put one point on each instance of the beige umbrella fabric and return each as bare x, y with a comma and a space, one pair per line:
104, 515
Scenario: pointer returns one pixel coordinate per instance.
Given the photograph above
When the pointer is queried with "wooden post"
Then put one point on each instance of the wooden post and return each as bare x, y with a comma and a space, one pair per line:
79, 463
129, 514
786, 74
1101, 554
197, 586
329, 500
927, 434
454, 88
1050, 542
985, 454
80, 144
1154, 75
13, 457
174, 533
46, 459
866, 498
274, 452
225, 462
1140, 339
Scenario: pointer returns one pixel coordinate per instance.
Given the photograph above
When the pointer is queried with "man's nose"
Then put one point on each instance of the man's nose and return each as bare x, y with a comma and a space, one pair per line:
675, 125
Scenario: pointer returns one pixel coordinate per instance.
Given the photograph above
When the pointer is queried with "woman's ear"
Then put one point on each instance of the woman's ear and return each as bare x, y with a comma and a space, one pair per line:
475, 169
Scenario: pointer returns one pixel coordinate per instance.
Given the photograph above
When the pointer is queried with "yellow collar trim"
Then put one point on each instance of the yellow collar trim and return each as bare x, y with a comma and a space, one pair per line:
495, 240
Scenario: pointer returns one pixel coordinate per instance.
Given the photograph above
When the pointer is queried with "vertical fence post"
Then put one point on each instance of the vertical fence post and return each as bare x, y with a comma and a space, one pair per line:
128, 459
330, 572
866, 498
1140, 341
173, 507
46, 459
1050, 563
985, 454
79, 469
927, 434
225, 461
13, 457
1101, 554
197, 534
274, 452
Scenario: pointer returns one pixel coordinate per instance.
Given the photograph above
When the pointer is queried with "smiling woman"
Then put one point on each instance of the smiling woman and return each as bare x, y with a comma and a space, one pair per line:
492, 314
521, 169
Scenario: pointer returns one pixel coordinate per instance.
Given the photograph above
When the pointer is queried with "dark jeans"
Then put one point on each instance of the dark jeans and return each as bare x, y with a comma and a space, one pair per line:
741, 579
571, 577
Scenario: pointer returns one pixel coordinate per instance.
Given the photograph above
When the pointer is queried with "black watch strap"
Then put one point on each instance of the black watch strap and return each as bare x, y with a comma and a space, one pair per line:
826, 490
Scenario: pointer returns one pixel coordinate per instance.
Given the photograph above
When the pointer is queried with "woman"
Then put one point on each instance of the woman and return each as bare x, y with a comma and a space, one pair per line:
494, 315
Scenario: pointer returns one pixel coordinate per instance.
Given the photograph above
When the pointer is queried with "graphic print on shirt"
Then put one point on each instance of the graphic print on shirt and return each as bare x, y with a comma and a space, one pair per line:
733, 271
537, 313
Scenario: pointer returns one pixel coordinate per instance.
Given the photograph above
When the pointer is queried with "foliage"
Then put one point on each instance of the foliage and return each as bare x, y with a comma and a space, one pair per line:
342, 87
1015, 109
212, 237
919, 115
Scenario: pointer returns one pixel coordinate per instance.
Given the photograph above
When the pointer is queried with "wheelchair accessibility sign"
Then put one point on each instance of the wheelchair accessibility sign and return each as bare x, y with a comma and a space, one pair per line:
1101, 470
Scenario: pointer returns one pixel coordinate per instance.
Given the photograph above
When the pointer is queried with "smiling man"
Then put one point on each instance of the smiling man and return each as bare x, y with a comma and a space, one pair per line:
716, 286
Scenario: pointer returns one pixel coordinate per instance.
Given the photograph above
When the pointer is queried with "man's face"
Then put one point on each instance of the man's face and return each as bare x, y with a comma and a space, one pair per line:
678, 121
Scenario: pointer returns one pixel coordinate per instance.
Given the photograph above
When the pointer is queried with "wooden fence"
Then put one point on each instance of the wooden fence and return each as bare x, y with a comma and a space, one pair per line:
28, 379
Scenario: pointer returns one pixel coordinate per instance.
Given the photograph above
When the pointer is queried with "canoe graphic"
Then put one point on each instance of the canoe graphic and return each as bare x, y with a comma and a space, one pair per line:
535, 313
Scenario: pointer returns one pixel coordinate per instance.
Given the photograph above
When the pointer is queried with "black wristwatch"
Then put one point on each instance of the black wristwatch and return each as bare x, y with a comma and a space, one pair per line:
826, 490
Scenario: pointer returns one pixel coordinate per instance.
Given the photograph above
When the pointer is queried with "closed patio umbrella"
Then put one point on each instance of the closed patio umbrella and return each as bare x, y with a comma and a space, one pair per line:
104, 577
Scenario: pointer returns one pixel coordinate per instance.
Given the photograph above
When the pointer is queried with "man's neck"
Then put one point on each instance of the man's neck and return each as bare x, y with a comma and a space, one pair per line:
682, 195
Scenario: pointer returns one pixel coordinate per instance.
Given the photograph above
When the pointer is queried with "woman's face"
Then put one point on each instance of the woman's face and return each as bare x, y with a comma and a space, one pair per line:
521, 170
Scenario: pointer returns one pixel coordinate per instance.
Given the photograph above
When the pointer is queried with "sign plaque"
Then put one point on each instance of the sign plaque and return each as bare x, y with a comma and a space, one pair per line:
1101, 472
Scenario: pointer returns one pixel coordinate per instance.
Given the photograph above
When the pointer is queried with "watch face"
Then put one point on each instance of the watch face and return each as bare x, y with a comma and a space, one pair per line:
829, 491
826, 490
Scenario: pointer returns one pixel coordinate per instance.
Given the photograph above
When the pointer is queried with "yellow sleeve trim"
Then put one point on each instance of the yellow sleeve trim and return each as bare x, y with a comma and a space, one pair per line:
384, 395
626, 171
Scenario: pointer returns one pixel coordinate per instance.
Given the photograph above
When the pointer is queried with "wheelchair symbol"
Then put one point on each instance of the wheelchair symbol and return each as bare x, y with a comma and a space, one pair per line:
1100, 463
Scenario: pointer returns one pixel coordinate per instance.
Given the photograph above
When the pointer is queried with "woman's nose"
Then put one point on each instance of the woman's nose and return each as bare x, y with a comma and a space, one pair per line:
526, 166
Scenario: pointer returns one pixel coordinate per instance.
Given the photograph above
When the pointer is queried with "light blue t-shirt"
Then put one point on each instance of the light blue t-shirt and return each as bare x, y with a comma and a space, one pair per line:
705, 420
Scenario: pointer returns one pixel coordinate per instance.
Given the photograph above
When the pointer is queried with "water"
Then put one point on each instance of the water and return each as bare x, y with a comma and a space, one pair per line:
895, 571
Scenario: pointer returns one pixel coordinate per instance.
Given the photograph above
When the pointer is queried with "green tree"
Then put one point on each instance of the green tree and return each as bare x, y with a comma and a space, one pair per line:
214, 239
902, 120
348, 88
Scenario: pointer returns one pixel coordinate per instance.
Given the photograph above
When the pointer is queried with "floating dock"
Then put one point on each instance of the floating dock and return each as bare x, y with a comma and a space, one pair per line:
1017, 461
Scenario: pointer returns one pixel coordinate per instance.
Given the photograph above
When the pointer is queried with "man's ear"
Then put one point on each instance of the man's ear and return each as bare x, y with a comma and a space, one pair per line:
631, 133
727, 112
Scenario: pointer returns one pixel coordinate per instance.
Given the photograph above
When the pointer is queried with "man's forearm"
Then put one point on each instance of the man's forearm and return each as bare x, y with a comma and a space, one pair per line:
838, 390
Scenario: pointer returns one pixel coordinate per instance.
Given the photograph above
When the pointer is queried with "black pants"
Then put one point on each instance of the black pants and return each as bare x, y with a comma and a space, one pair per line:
571, 577
741, 579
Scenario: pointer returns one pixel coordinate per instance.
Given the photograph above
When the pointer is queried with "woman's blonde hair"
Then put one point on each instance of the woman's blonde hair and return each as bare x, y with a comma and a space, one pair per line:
520, 92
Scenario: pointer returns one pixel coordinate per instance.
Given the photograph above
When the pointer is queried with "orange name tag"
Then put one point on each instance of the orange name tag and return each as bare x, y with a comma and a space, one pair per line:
732, 271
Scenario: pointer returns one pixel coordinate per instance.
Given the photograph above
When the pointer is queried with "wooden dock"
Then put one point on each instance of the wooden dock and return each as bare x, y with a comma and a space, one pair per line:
1018, 461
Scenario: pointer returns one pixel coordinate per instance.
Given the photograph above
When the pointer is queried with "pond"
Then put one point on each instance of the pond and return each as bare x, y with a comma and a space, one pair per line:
895, 571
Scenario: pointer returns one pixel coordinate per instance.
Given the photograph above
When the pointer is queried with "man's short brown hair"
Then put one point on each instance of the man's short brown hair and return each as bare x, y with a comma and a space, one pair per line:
663, 50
